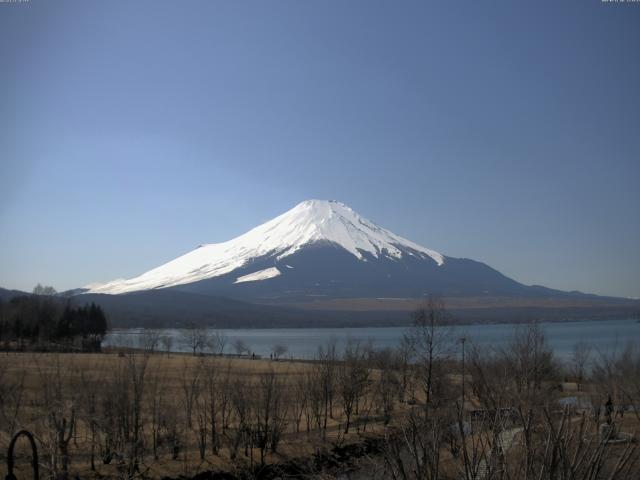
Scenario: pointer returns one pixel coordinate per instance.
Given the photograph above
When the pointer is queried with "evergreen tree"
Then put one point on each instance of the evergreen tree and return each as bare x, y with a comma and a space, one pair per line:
46, 319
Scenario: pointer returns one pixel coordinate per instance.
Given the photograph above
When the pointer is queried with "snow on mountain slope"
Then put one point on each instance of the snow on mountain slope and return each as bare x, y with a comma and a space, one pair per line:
259, 275
308, 222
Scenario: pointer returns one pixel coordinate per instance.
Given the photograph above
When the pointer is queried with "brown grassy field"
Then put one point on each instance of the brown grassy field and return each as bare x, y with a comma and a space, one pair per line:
77, 385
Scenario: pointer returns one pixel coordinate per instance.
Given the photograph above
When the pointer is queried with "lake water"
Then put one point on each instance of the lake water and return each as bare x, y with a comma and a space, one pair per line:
604, 336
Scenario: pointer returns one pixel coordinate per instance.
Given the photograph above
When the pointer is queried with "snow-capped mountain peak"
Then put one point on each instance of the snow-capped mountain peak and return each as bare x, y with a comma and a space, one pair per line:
309, 222
333, 221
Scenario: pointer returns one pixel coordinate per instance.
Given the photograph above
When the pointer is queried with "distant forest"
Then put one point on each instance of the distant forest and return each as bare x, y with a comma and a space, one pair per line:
45, 321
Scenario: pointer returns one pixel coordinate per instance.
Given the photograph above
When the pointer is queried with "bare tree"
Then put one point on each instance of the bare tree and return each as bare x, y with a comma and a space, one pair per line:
44, 290
11, 397
136, 367
212, 384
279, 349
170, 424
121, 414
352, 378
195, 339
432, 342
156, 403
114, 408
270, 412
387, 384
316, 403
617, 374
60, 417
414, 451
167, 342
530, 362
326, 367
241, 402
217, 342
89, 409
403, 355
201, 406
491, 381
190, 385
580, 360
240, 346
628, 366
224, 392
521, 373
150, 340
299, 398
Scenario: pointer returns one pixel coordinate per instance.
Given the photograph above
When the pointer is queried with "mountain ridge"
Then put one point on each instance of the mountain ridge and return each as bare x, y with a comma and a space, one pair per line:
322, 249
310, 222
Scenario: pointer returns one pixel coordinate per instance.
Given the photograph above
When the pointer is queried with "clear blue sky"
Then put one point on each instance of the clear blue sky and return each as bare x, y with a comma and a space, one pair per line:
507, 132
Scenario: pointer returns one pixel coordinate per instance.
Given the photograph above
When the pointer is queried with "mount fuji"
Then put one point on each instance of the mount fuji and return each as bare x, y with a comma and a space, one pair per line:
322, 264
319, 250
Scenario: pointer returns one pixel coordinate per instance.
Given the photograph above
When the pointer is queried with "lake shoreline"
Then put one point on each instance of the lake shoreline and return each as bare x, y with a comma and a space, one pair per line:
407, 324
303, 343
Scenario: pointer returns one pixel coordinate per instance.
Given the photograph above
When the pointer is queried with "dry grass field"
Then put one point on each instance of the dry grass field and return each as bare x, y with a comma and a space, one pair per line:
172, 398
